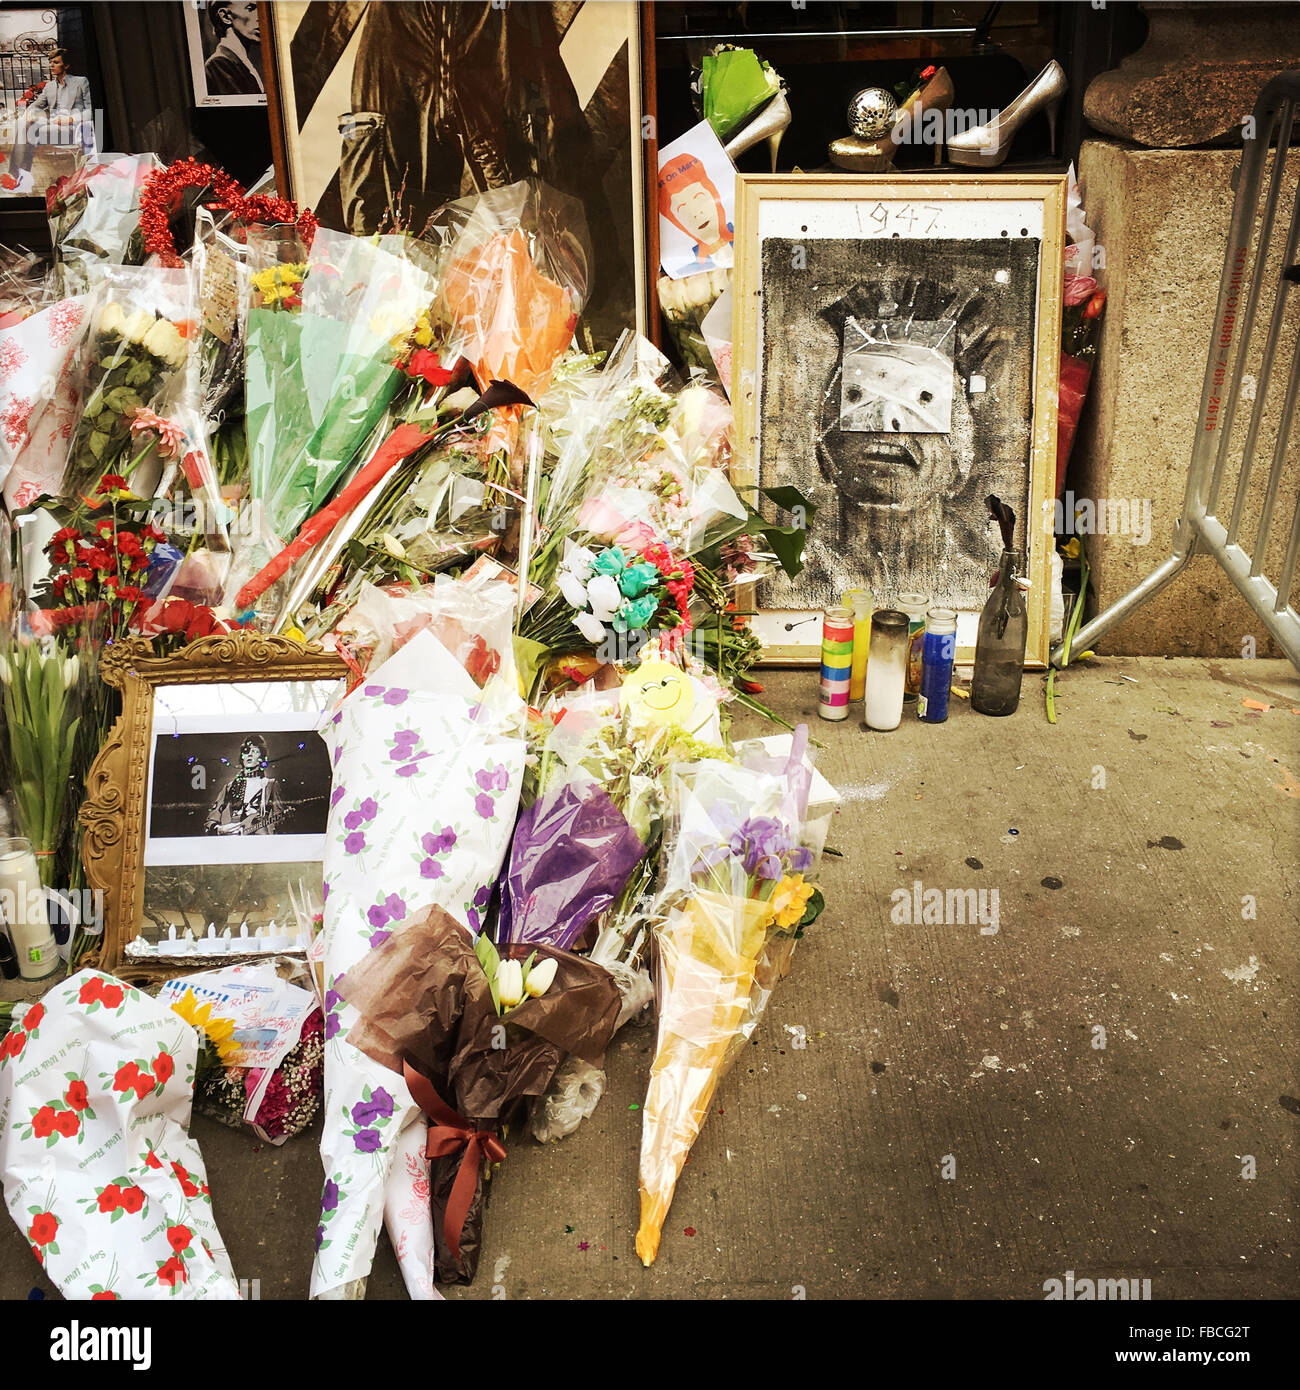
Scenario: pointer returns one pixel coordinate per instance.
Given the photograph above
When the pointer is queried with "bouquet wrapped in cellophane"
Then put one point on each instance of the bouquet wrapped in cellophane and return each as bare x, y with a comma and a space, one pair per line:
93, 215
735, 895
588, 826
42, 378
319, 366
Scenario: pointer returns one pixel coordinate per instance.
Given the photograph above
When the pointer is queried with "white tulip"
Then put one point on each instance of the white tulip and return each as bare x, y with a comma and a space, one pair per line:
590, 626
510, 983
541, 977
71, 670
604, 596
6, 671
573, 589
394, 547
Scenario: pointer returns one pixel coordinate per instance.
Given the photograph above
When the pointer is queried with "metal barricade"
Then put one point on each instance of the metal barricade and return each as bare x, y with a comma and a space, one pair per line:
1200, 528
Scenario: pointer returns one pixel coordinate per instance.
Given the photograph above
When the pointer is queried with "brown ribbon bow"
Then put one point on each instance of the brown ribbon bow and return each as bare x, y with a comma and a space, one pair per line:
448, 1132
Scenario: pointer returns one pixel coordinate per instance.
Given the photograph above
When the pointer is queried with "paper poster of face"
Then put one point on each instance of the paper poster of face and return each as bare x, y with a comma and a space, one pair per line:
697, 201
897, 394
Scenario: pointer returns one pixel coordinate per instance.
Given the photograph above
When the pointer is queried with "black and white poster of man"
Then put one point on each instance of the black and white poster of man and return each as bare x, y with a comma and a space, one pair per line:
225, 41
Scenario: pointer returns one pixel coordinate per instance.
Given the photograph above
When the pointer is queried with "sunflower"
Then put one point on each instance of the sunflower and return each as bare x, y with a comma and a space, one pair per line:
218, 1031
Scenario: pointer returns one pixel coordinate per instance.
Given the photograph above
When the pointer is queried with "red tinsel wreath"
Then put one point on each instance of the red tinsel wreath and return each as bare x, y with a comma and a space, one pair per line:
161, 194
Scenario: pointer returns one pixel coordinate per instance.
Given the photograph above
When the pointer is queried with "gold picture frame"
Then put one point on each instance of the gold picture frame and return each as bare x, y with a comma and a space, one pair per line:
114, 813
850, 210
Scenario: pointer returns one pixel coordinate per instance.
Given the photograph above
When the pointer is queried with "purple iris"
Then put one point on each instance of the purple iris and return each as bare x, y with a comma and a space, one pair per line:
799, 859
367, 1141
330, 1196
355, 842
484, 805
770, 867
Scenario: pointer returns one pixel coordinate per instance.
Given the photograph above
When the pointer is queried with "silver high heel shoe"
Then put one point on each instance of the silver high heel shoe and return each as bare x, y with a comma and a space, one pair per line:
987, 146
770, 125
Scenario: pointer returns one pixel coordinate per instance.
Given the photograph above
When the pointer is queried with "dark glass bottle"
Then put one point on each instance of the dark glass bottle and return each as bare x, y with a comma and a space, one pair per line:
1000, 643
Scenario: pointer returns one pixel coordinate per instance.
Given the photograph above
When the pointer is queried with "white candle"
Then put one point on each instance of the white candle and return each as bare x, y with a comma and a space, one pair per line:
886, 669
22, 906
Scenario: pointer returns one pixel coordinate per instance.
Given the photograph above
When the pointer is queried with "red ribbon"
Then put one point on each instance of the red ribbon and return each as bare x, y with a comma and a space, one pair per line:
449, 1132
403, 441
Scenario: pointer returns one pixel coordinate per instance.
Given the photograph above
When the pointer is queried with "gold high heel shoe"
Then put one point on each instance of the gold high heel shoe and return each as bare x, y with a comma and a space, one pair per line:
911, 126
770, 125
987, 146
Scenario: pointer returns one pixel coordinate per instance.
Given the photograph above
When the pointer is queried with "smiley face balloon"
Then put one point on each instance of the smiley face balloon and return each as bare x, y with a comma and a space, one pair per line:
658, 693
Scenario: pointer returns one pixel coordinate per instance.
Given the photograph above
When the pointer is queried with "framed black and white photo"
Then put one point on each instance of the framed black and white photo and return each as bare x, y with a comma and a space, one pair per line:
226, 790
896, 358
383, 112
225, 45
207, 805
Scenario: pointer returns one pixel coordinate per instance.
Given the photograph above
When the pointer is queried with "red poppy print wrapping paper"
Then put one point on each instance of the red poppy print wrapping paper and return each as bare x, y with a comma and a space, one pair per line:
99, 1170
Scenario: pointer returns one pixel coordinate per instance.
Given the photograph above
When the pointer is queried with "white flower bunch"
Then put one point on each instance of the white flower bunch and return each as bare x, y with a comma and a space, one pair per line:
597, 597
156, 335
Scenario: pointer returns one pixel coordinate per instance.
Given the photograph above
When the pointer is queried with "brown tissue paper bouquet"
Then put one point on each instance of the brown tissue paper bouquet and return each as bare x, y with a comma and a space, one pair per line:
428, 1010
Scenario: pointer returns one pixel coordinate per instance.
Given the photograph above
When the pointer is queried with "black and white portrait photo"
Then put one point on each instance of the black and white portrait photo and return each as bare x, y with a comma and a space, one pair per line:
391, 110
237, 796
897, 394
225, 43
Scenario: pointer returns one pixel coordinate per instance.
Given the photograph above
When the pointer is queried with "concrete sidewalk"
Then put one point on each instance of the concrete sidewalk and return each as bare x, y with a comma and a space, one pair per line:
1146, 824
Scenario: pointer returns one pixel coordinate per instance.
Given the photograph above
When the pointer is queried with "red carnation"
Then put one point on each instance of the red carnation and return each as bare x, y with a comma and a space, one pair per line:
128, 544
110, 482
133, 1198
67, 1123
43, 1228
76, 1096
68, 533
82, 573
105, 526
110, 1198
43, 1122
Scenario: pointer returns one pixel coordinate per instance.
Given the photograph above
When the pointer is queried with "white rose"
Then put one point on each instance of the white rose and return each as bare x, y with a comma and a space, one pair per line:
578, 560
136, 325
604, 596
573, 589
165, 342
111, 319
590, 626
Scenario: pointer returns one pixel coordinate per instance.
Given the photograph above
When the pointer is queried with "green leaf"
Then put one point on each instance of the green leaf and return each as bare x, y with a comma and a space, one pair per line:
788, 498
490, 960
787, 543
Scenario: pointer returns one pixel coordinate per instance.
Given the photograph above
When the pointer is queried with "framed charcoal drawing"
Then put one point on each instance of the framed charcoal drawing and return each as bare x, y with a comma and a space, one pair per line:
207, 805
382, 111
896, 358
